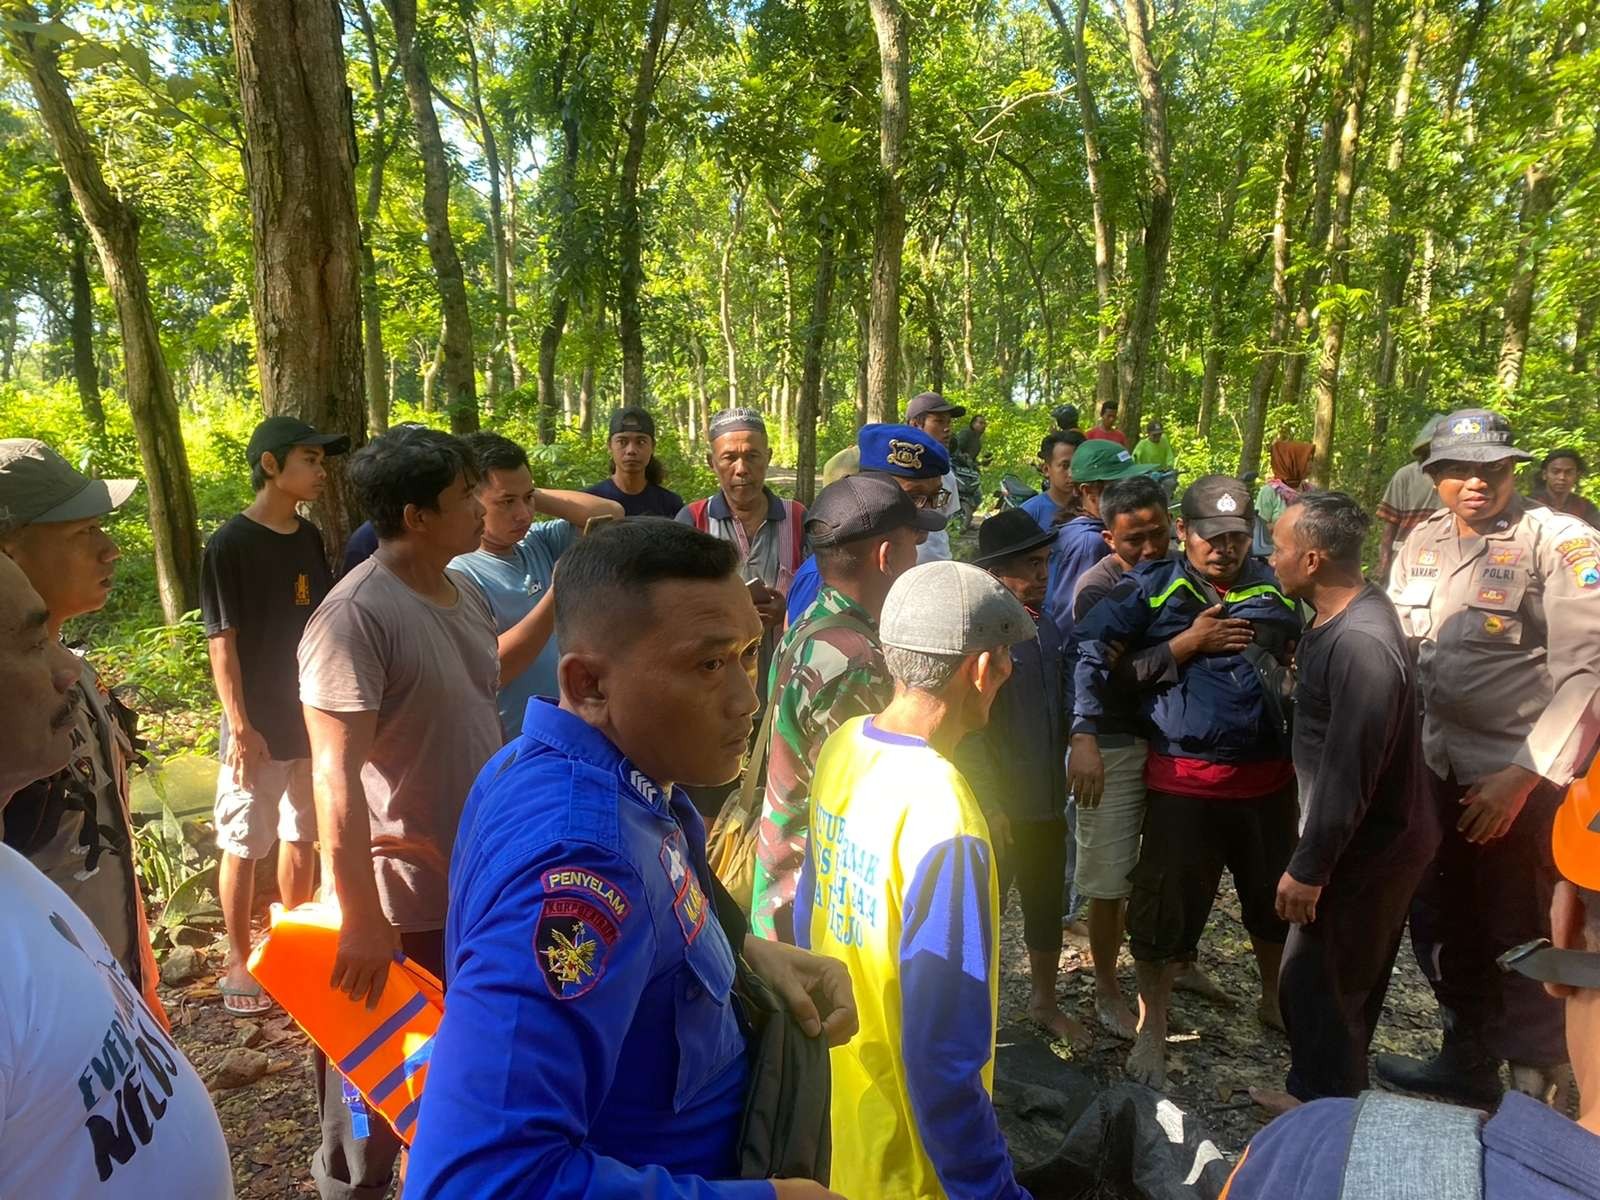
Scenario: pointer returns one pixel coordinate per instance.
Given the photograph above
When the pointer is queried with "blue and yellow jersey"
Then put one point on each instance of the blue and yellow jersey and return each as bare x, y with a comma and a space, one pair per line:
900, 886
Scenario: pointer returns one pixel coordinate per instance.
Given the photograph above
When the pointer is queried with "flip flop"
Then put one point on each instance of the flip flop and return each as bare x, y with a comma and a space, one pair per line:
246, 1001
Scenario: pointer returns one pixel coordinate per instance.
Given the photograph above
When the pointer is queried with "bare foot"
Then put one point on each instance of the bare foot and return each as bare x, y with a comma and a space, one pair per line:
1268, 1014
1274, 1102
1147, 1062
1115, 1017
1190, 978
1059, 1024
1076, 928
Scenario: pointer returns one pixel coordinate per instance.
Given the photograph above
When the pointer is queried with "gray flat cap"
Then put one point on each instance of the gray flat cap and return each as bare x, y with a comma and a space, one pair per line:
951, 607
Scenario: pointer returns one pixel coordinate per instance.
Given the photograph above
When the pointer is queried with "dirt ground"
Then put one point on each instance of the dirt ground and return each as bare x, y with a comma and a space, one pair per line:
1215, 1052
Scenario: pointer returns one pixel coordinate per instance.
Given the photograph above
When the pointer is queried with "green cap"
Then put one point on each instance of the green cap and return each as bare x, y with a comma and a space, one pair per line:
1101, 460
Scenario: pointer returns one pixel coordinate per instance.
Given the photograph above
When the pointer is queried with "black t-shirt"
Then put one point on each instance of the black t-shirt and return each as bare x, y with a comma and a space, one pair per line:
1364, 787
265, 586
654, 501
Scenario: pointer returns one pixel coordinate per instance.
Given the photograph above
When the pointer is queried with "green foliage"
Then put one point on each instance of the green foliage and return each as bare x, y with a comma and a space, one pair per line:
177, 877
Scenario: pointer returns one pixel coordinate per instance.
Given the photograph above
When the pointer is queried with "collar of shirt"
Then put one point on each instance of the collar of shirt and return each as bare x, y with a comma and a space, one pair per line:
547, 722
1441, 527
1544, 1142
718, 508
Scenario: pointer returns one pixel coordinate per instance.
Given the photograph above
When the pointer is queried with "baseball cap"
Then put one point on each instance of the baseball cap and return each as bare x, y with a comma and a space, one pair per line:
280, 434
932, 402
841, 466
1425, 434
902, 450
1066, 415
1217, 504
1475, 435
1007, 533
1101, 461
949, 607
864, 506
38, 487
632, 419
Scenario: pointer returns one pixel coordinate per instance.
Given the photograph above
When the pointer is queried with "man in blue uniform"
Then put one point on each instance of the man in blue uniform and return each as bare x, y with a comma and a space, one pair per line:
590, 1046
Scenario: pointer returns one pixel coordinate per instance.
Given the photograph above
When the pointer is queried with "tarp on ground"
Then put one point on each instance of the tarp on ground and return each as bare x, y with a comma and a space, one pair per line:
1073, 1138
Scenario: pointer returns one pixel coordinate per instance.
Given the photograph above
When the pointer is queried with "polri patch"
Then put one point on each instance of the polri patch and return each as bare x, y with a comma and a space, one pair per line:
1493, 625
571, 941
587, 883
689, 900
1428, 558
1506, 556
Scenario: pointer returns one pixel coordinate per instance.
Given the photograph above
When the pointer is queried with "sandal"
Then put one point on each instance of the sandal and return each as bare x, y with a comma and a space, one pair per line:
246, 1001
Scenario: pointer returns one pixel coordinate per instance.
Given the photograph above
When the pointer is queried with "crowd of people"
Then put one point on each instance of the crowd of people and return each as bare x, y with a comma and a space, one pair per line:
665, 792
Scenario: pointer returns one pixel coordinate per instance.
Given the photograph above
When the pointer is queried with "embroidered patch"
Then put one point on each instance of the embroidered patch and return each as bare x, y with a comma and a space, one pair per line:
640, 782
1587, 574
571, 942
1490, 595
1466, 425
689, 901
574, 879
1493, 625
1428, 558
905, 454
1227, 504
1577, 543
1508, 557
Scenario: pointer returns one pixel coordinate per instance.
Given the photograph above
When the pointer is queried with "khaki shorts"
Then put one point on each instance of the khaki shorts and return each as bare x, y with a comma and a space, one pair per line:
1108, 834
279, 808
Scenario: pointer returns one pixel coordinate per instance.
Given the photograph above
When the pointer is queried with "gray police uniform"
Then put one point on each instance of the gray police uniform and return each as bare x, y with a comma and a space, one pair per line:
1507, 627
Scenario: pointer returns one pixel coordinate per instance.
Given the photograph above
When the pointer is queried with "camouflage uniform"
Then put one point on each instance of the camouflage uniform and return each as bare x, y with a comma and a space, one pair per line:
839, 674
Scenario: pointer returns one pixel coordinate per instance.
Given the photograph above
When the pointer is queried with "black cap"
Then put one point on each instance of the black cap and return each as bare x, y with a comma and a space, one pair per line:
1475, 435
863, 506
1217, 504
1066, 416
1008, 533
632, 420
931, 402
278, 435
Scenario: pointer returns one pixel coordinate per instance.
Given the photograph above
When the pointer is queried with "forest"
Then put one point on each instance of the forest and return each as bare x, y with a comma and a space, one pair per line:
1251, 218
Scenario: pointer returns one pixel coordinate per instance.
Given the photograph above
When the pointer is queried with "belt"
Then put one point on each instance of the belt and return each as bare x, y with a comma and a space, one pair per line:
1115, 741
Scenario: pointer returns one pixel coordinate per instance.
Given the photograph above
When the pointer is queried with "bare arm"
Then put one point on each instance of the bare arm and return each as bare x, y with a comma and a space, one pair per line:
524, 641
340, 744
246, 748
578, 508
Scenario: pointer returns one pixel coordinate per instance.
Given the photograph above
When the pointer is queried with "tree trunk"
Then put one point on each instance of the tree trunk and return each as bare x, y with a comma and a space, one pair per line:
1538, 197
1582, 332
968, 368
1214, 349
1333, 327
786, 387
730, 345
808, 414
702, 397
1267, 368
85, 371
456, 341
1105, 237
1140, 20
146, 384
889, 232
496, 377
300, 161
863, 344
1317, 219
630, 237
555, 324
586, 398
380, 145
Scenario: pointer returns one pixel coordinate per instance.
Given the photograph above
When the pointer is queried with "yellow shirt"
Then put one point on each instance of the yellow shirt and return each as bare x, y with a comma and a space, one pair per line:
900, 886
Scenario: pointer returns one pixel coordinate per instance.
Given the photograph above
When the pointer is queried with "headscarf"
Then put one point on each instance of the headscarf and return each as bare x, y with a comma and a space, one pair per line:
1291, 461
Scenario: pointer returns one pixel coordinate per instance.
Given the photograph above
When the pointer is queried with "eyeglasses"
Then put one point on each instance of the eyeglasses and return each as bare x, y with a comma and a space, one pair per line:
1489, 472
938, 500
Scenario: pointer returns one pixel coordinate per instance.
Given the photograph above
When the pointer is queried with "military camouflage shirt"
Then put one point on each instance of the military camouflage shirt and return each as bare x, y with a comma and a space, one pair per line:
837, 674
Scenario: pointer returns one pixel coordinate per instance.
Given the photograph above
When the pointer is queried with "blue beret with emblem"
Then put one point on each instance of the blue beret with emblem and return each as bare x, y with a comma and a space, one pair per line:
902, 450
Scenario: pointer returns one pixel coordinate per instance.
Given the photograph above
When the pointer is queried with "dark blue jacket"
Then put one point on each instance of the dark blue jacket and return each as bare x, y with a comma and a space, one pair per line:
1078, 547
1017, 763
1216, 711
590, 1046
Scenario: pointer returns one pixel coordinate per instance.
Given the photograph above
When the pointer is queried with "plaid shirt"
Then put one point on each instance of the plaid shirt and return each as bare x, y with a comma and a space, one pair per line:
838, 674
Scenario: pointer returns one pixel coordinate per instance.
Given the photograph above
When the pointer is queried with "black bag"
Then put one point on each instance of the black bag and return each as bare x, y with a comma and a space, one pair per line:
785, 1132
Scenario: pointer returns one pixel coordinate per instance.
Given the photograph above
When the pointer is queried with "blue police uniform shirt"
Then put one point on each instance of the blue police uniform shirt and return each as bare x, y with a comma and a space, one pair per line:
513, 585
803, 588
590, 1046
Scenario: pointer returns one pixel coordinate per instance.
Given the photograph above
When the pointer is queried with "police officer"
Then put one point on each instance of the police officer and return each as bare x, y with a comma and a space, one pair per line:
591, 1046
1502, 599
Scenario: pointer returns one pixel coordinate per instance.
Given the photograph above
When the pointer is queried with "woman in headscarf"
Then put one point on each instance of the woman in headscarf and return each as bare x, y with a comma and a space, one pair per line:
1291, 463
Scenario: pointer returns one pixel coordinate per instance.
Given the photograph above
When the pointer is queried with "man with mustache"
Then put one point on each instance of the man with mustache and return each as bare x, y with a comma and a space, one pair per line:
262, 576
75, 825
95, 1100
1501, 597
398, 670
590, 1043
1220, 778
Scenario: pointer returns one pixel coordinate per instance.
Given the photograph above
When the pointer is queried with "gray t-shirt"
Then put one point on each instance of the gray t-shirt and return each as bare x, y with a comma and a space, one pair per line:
430, 673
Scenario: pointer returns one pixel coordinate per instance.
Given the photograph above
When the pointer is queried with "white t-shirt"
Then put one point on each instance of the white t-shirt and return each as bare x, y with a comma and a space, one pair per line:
95, 1100
937, 547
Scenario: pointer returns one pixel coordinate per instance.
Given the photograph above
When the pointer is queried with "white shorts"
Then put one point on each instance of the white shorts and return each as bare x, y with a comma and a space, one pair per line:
1108, 834
279, 808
